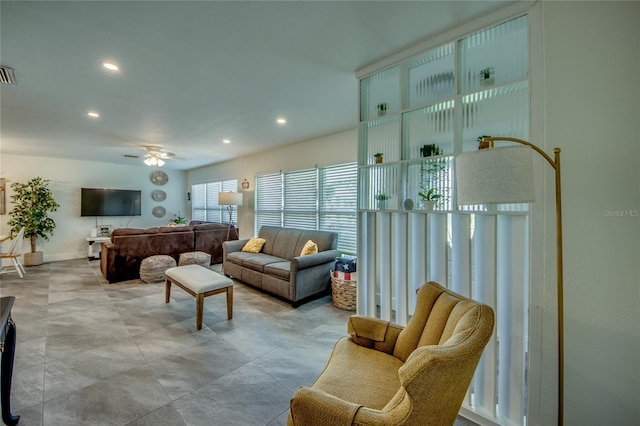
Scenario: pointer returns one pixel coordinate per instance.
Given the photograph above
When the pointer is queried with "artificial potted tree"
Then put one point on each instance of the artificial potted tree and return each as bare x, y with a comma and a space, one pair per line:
32, 203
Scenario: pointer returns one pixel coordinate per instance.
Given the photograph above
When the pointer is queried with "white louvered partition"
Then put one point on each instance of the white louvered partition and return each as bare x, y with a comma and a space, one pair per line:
420, 113
483, 256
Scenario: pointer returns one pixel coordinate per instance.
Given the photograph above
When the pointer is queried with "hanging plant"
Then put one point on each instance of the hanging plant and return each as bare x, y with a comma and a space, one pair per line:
32, 203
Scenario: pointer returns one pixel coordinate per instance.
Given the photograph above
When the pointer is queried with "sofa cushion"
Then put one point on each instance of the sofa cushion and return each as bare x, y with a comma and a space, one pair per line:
258, 261
269, 233
199, 225
324, 240
174, 229
254, 245
309, 248
132, 231
279, 269
238, 257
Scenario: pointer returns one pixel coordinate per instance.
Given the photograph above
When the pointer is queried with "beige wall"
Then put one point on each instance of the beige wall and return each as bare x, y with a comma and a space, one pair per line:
592, 111
327, 150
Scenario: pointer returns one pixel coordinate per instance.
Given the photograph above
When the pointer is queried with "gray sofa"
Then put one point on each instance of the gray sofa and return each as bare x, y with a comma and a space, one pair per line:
278, 268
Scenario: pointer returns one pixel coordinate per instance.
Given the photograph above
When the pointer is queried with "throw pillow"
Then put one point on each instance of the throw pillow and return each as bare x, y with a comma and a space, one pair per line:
309, 248
254, 245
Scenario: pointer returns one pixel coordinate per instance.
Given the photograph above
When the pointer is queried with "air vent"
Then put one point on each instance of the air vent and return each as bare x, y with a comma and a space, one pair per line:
130, 156
6, 75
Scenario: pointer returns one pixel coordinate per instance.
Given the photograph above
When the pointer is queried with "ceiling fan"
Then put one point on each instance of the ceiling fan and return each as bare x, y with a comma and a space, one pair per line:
156, 155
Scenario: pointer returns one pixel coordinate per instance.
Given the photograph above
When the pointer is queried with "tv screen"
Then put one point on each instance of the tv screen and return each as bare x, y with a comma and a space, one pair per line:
110, 202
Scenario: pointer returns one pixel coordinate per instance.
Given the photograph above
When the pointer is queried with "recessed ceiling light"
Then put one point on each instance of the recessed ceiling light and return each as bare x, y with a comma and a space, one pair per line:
110, 66
93, 114
281, 120
226, 141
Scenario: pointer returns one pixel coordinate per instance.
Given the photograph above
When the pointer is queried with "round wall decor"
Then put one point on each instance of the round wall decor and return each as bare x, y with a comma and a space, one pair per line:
408, 204
159, 211
158, 195
159, 177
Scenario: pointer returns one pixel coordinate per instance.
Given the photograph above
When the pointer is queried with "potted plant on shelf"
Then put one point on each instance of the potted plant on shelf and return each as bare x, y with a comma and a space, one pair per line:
382, 200
378, 157
178, 220
32, 203
429, 199
432, 176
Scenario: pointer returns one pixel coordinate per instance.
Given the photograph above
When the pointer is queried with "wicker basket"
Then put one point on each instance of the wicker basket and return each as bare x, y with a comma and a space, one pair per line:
343, 294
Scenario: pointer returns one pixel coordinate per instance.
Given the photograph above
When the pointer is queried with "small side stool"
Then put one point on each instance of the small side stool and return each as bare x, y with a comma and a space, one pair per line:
199, 282
195, 258
152, 268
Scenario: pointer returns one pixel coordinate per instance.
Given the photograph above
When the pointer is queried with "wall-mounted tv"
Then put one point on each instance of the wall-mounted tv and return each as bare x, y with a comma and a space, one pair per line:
110, 202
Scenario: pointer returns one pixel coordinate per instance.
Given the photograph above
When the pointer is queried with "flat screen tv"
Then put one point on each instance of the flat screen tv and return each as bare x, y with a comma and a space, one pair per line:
110, 202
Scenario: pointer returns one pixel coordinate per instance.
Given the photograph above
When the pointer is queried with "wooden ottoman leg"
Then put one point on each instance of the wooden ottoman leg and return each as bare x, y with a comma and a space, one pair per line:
229, 302
199, 310
167, 290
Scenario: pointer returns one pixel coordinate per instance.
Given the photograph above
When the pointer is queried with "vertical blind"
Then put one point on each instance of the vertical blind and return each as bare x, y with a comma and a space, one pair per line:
323, 198
204, 201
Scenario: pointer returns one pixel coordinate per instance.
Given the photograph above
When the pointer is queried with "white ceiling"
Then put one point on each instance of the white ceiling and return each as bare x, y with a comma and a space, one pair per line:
195, 73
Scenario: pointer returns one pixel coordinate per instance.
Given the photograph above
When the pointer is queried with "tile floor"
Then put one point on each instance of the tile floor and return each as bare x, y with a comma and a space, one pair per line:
93, 353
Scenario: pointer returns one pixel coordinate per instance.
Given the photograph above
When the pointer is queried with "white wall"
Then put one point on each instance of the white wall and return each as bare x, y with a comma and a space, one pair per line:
592, 111
67, 177
327, 150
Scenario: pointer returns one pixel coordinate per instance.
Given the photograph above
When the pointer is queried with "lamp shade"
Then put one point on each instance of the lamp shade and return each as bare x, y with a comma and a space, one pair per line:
495, 176
229, 199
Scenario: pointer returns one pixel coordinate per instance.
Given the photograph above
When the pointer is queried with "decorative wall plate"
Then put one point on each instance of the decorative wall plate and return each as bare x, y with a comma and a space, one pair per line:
159, 211
159, 177
408, 204
158, 195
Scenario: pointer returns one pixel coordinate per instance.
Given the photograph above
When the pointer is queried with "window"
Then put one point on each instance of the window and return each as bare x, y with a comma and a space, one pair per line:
323, 198
204, 201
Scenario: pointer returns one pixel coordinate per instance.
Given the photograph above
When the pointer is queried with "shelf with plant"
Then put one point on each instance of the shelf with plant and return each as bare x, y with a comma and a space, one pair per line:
431, 172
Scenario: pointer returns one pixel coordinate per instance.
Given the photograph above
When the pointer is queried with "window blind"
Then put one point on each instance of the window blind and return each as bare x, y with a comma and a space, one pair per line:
323, 198
204, 201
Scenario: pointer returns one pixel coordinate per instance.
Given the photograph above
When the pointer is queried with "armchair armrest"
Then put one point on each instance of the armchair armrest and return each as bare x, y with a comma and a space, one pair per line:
303, 262
313, 406
373, 333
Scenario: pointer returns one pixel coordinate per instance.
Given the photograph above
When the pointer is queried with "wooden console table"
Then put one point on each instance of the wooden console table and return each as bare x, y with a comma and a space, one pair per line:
8, 349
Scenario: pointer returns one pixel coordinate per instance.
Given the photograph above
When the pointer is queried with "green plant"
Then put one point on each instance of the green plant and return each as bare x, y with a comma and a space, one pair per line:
382, 197
32, 203
431, 174
430, 195
378, 154
179, 220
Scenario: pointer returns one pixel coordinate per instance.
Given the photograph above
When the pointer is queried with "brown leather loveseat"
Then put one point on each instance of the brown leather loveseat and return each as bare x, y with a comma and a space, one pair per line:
121, 258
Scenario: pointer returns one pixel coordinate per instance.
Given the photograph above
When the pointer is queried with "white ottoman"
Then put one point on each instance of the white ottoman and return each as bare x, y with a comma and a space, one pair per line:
199, 282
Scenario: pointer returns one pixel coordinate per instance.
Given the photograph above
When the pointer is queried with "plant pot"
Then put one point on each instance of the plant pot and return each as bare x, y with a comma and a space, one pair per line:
33, 259
378, 159
429, 205
382, 204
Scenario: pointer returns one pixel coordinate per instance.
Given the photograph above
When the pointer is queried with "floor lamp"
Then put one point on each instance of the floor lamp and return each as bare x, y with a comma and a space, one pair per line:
505, 175
230, 199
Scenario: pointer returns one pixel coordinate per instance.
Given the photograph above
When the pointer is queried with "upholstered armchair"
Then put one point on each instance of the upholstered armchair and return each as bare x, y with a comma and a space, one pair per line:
385, 374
